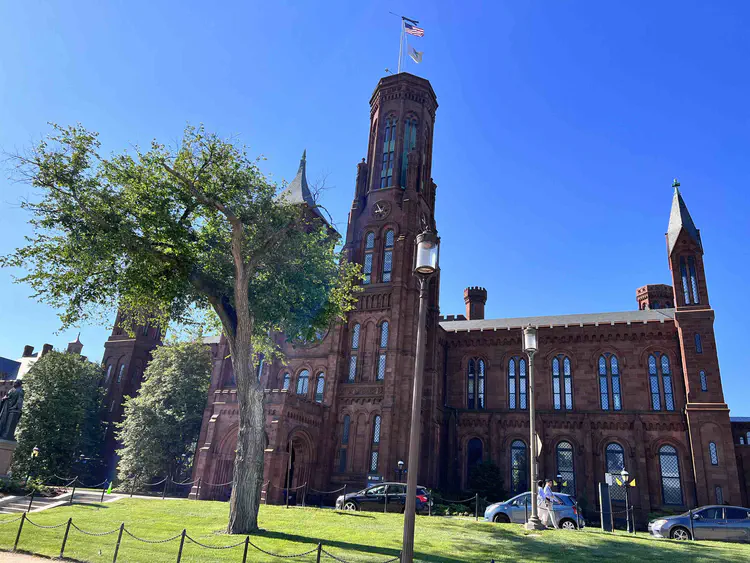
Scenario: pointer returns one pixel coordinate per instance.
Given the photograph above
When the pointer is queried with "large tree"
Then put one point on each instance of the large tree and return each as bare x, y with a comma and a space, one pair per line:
61, 416
170, 232
161, 424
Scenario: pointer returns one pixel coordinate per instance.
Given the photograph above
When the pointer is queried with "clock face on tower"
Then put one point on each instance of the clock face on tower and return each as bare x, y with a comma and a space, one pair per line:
381, 209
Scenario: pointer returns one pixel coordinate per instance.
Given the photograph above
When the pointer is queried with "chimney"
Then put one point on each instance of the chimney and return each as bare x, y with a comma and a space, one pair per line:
28, 351
475, 298
46, 348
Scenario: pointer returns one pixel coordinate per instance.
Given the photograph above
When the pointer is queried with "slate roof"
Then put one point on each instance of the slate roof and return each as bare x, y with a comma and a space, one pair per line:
680, 219
298, 191
739, 419
624, 317
9, 368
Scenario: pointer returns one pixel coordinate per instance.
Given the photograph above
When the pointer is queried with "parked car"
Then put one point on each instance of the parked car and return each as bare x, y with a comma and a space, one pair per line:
374, 498
518, 509
709, 523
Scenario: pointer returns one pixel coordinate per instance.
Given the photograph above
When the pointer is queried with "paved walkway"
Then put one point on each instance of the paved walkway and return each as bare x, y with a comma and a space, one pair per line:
19, 558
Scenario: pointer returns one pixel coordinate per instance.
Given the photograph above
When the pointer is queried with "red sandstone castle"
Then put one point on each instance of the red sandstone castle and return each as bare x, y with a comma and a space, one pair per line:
638, 389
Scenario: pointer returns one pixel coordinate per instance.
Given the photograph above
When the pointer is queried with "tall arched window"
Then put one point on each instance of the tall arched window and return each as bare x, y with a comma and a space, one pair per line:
121, 373
475, 384
693, 280
615, 464
375, 445
320, 387
713, 453
369, 249
355, 352
742, 440
389, 144
609, 373
410, 143
562, 383
286, 381
303, 382
383, 345
704, 381
566, 468
684, 278
517, 386
698, 344
108, 378
388, 255
518, 467
344, 444
671, 489
473, 456
658, 362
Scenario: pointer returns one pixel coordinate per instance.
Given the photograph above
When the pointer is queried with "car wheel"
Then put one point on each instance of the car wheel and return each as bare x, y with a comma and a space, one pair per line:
501, 519
568, 525
350, 505
680, 534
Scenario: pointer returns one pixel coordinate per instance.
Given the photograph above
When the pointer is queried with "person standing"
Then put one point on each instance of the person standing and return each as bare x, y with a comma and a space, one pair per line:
541, 503
549, 499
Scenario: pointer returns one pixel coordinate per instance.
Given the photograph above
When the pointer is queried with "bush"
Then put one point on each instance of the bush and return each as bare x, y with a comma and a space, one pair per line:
22, 487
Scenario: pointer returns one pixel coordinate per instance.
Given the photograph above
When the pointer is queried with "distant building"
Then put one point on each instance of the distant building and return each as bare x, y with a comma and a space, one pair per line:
9, 368
17, 369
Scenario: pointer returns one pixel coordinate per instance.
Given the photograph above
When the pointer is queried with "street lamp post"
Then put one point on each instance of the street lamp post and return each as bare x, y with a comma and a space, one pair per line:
625, 476
425, 266
530, 346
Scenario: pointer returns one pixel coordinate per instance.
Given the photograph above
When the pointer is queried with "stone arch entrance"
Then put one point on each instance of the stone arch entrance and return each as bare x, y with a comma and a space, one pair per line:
300, 459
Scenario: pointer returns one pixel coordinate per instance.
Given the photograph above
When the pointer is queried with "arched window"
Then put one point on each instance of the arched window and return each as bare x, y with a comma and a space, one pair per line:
388, 255
671, 490
389, 144
609, 374
684, 278
344, 444
742, 440
698, 344
615, 464
719, 495
108, 378
704, 381
660, 362
518, 467
748, 437
693, 280
517, 387
121, 373
355, 352
566, 467
475, 384
369, 249
303, 382
286, 381
473, 456
383, 345
714, 453
562, 391
375, 444
410, 143
320, 387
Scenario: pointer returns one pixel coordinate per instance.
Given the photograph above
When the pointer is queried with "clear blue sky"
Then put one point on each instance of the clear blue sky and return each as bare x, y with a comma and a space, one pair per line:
560, 127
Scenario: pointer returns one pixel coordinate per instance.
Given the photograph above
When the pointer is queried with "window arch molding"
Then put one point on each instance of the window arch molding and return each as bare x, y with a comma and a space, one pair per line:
562, 393
621, 358
561, 465
515, 374
478, 393
297, 386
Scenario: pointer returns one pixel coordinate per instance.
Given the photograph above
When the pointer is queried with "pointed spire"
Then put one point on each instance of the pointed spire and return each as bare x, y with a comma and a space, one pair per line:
680, 219
298, 191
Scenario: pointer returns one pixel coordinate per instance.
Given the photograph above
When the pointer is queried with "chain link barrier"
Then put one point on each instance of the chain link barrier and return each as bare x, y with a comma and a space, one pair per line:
94, 534
327, 492
280, 556
187, 537
143, 540
46, 527
10, 521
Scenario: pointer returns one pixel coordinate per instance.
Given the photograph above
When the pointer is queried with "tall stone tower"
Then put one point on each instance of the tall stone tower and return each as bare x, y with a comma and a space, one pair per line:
707, 414
125, 359
394, 201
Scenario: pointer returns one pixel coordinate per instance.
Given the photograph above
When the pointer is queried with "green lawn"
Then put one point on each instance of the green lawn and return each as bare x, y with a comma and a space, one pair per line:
355, 537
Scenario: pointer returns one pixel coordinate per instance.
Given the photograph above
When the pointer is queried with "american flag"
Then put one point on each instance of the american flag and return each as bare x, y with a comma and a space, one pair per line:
413, 30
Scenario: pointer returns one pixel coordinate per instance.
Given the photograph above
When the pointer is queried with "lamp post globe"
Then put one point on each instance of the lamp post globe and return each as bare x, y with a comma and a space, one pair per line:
529, 340
624, 474
426, 255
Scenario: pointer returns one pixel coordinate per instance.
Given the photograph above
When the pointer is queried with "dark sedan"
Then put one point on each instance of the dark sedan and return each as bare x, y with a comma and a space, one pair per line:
376, 497
709, 523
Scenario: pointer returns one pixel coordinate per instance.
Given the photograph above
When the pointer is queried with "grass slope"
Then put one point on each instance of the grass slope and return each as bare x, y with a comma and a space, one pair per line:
355, 537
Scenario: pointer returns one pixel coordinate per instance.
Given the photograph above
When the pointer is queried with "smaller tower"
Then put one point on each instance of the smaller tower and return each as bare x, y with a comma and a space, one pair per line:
475, 298
655, 296
76, 346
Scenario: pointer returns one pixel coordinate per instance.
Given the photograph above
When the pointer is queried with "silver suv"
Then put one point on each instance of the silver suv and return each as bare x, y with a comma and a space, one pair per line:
518, 509
730, 523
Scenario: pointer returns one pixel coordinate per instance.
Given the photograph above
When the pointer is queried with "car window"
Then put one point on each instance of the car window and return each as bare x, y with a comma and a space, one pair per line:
379, 490
420, 491
520, 500
713, 513
732, 513
563, 500
396, 489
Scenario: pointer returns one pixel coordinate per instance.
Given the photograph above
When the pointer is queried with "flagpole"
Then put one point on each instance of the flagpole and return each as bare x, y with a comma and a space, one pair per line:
401, 46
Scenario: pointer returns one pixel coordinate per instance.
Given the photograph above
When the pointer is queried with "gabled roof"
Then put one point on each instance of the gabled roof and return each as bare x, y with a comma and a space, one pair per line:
298, 191
680, 219
624, 317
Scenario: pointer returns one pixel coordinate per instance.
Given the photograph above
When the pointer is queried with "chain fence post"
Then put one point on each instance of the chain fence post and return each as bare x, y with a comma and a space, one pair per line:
182, 543
429, 506
476, 507
65, 537
117, 545
104, 490
578, 517
164, 492
198, 492
20, 527
286, 494
31, 501
72, 494
320, 548
692, 529
268, 490
244, 554
385, 504
304, 494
